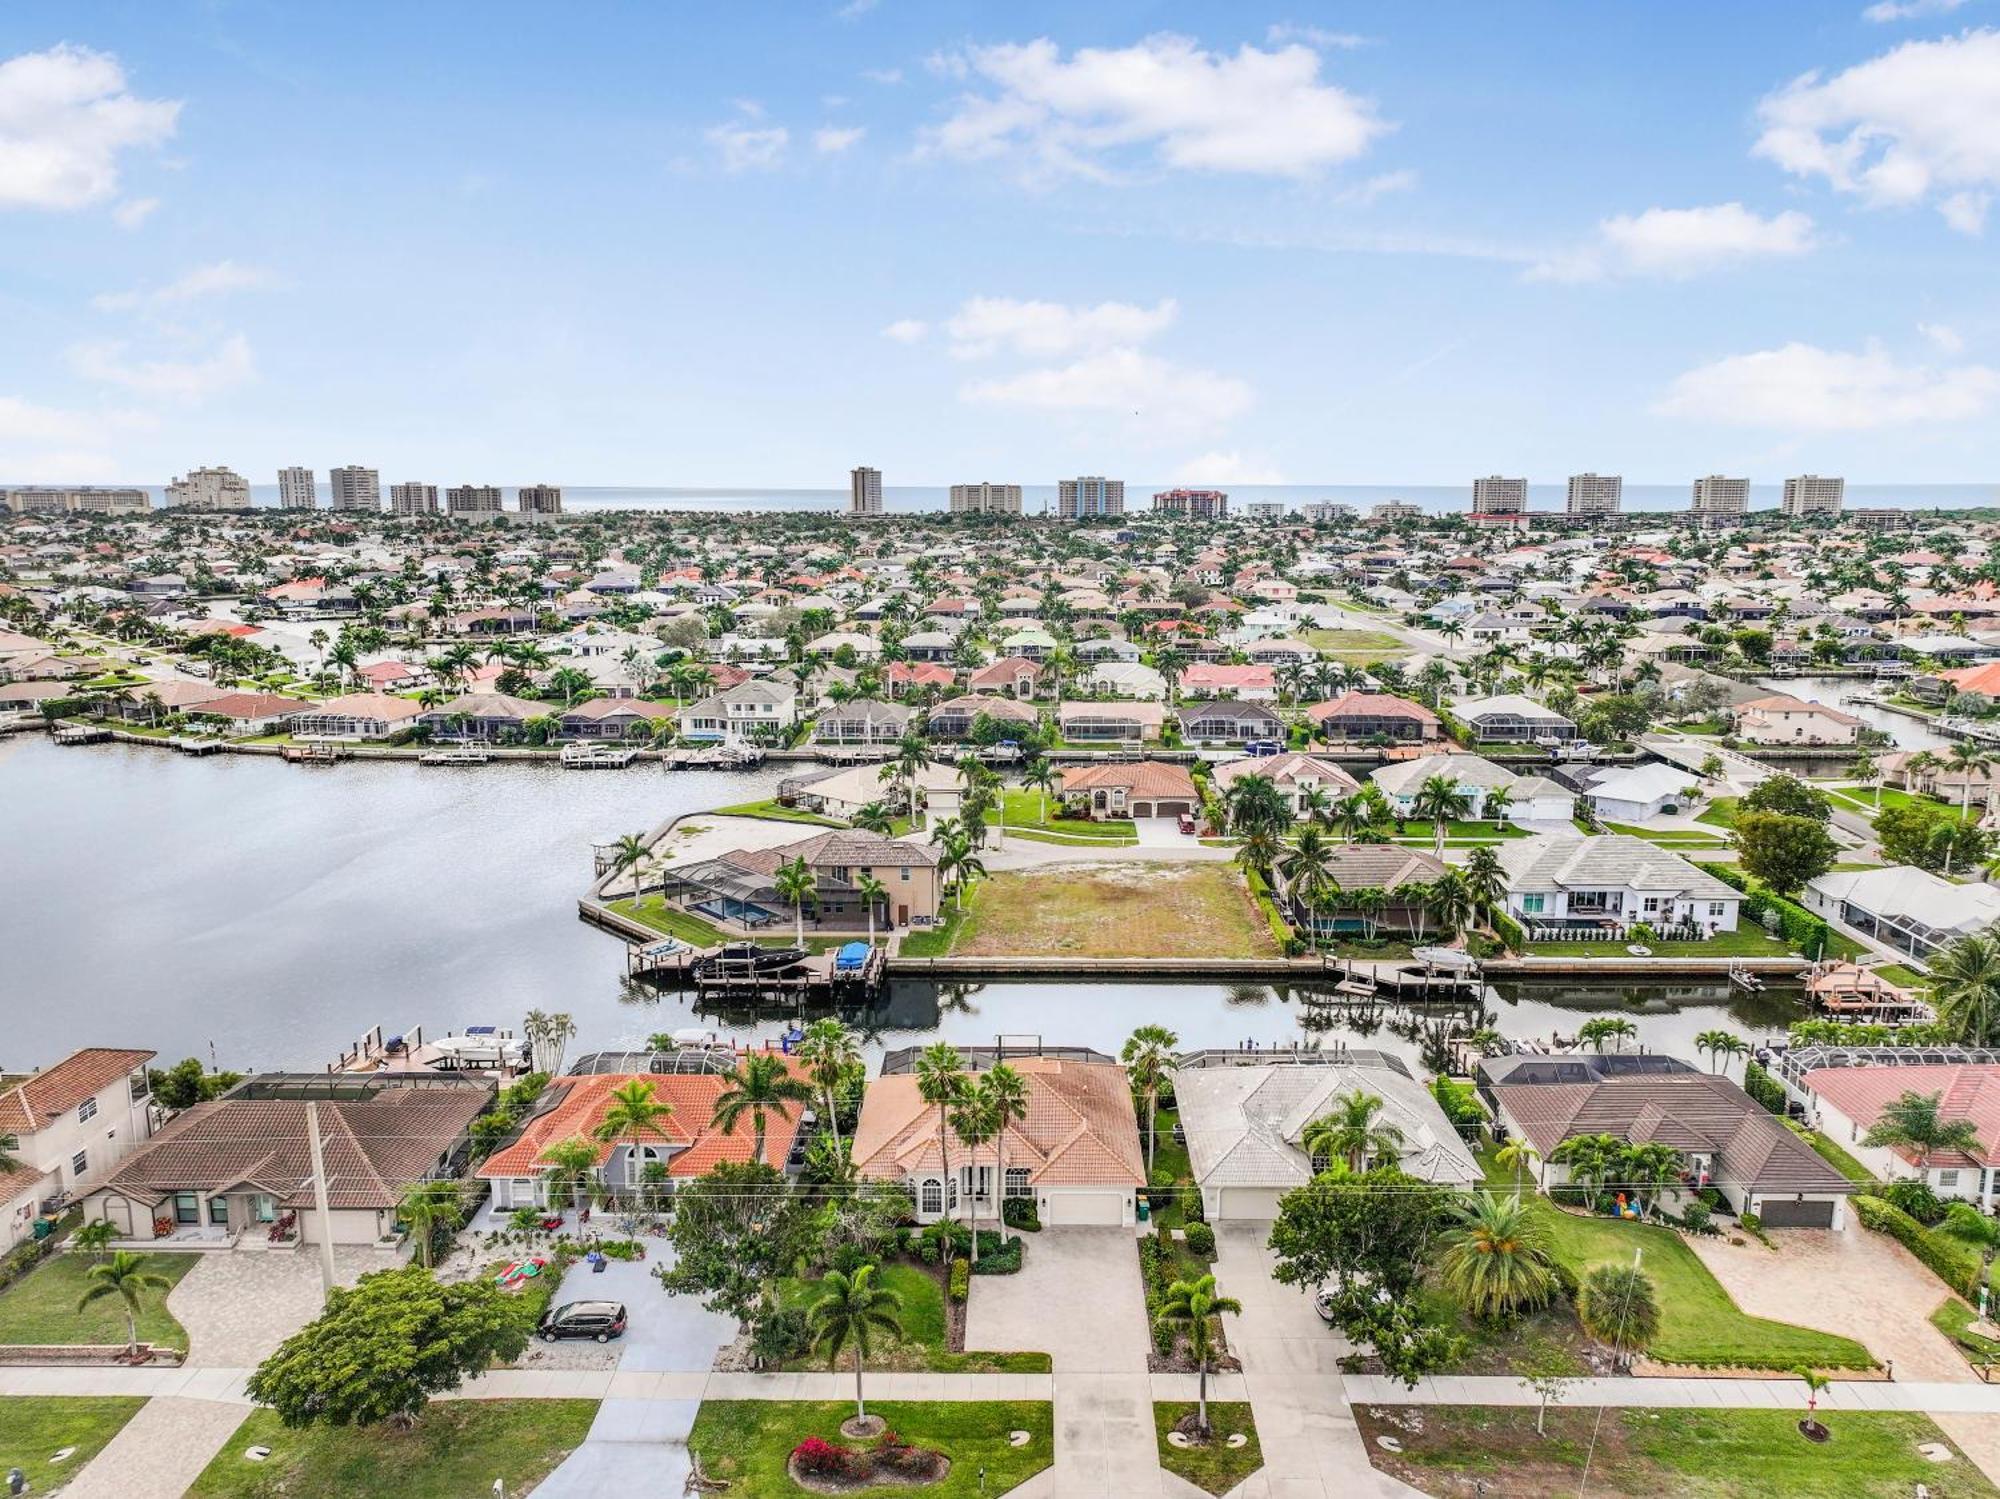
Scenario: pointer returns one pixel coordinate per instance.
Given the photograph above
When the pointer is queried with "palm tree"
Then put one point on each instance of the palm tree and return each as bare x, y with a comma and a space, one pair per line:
941, 1082
1149, 1061
1720, 1046
761, 1085
1965, 989
425, 1207
1451, 903
94, 1236
569, 1166
1601, 1028
1440, 802
125, 1276
872, 892
1485, 878
1354, 816
1815, 1383
973, 1122
1260, 846
1977, 1230
797, 883
630, 853
1352, 1133
1257, 805
1964, 757
1042, 776
1308, 866
913, 753
851, 1310
830, 1052
1496, 1262
1868, 772
1590, 1158
1519, 1156
874, 818
1497, 800
1617, 1304
1006, 1095
1918, 766
1916, 1122
1195, 1307
633, 1111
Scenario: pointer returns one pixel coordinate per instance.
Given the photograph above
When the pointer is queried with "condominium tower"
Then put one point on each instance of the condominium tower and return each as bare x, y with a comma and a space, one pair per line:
38, 499
1594, 494
538, 499
355, 488
473, 499
295, 489
1091, 495
1203, 504
1809, 494
1494, 495
413, 498
864, 491
1717, 498
215, 488
985, 499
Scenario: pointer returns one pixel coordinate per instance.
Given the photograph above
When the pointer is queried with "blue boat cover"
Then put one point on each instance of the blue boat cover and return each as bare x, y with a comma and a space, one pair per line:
852, 955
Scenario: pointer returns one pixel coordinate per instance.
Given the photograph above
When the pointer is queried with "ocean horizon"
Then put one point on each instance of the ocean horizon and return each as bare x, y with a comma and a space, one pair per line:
1038, 499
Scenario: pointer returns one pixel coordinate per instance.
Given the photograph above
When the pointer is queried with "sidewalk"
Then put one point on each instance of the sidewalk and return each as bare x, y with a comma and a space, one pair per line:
1714, 1394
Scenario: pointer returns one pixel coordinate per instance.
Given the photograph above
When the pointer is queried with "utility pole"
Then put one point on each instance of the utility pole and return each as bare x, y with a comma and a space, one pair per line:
319, 1200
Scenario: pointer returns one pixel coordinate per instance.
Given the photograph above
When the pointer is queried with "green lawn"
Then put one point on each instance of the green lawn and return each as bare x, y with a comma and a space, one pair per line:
1024, 814
1862, 798
1699, 1324
1356, 647
922, 1346
671, 921
1954, 1319
1689, 1454
1837, 1158
937, 941
777, 812
1719, 813
1218, 1467
1172, 1159
1745, 942
41, 1306
33, 1428
458, 1447
1672, 838
746, 1443
1904, 977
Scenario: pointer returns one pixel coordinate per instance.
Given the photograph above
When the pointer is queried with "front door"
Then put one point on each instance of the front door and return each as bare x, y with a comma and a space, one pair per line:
902, 915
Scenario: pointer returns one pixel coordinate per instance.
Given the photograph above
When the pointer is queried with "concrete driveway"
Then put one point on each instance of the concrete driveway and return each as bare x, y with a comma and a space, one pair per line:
1162, 832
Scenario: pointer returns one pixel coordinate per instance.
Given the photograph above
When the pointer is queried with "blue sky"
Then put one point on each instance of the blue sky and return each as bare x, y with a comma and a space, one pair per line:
705, 244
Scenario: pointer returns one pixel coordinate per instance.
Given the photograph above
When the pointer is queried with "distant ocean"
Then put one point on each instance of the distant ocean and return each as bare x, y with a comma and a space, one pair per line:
1037, 498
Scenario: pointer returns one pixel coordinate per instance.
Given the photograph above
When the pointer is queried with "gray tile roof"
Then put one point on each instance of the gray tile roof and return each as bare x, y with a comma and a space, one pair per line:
1572, 861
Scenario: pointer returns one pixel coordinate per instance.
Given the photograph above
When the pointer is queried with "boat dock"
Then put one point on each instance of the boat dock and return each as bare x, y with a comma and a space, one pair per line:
1847, 991
454, 757
597, 756
317, 754
484, 1049
81, 733
817, 978
712, 759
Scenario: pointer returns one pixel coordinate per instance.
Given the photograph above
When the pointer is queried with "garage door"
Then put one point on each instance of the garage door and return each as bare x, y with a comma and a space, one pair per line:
1783, 1212
1250, 1204
1096, 1209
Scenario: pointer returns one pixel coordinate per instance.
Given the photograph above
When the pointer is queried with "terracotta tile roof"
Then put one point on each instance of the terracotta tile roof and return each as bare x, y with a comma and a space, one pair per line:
584, 1101
1147, 778
33, 1101
1080, 1128
1969, 1092
1370, 705
251, 705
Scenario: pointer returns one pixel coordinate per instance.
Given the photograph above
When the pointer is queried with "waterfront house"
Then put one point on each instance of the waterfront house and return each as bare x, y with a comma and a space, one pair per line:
67, 1126
1472, 775
1015, 676
1636, 793
1246, 684
1725, 1138
1361, 716
1790, 720
1076, 1155
903, 677
1228, 721
356, 716
1846, 1101
1403, 875
739, 887
844, 793
1244, 1117
954, 719
1906, 907
1149, 788
1118, 723
481, 716
1578, 885
1296, 775
862, 720
250, 714
1125, 679
240, 1165
682, 1144
1513, 719
391, 676
148, 702
603, 718
761, 706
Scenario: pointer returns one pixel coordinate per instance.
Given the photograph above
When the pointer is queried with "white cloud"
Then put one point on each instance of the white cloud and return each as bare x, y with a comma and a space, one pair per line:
1943, 336
1161, 394
1381, 186
203, 281
65, 120
1908, 10
747, 148
1256, 112
23, 421
61, 466
1313, 36
1046, 330
110, 361
1215, 469
883, 75
907, 330
1803, 388
831, 140
1919, 123
134, 212
1680, 242
854, 10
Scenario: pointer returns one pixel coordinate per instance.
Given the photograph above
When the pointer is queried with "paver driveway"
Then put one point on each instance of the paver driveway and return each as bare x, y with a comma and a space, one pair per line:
239, 1305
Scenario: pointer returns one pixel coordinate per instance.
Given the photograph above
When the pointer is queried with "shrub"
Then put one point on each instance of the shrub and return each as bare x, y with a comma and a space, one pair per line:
779, 1335
617, 1249
1695, 1217
1201, 1240
998, 1256
821, 1458
961, 1280
1800, 927
1020, 1213
1957, 1267
1915, 1197
1763, 1087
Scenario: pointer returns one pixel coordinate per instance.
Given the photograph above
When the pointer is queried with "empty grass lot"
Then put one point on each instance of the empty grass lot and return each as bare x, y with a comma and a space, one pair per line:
1652, 1454
1113, 910
41, 1306
1699, 1323
746, 1443
1356, 647
33, 1428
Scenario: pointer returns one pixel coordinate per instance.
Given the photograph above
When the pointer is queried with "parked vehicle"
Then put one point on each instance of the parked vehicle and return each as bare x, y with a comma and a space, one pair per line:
600, 1321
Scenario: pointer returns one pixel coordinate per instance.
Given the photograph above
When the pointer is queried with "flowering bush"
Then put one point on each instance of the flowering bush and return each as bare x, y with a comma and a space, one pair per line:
821, 1458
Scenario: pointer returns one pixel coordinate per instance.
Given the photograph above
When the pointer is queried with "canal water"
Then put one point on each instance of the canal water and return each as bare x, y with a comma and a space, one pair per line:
273, 913
1838, 692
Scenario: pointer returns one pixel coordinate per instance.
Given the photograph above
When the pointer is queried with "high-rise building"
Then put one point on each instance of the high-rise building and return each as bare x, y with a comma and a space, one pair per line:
473, 499
538, 499
864, 491
1395, 510
1809, 494
1091, 495
1594, 494
1321, 511
1203, 504
413, 498
215, 488
355, 488
296, 490
1494, 495
1717, 498
1266, 510
985, 499
87, 500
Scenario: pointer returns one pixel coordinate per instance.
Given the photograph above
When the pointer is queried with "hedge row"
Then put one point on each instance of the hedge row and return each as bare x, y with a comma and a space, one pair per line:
1761, 1086
1801, 928
1260, 891
1507, 929
1957, 1267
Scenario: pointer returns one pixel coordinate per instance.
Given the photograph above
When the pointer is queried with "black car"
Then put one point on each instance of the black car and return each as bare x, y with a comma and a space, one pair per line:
601, 1320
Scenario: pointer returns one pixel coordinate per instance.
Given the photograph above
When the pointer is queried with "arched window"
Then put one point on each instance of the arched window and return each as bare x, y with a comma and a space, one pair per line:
930, 1199
1017, 1181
